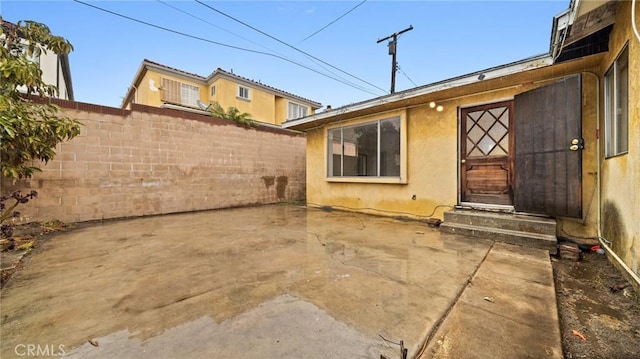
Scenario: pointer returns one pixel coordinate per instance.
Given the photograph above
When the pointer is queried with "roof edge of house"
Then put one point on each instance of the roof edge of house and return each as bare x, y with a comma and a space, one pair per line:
223, 73
529, 63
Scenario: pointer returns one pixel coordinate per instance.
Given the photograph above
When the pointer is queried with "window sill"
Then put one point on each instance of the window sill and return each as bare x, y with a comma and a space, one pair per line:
364, 179
243, 99
616, 155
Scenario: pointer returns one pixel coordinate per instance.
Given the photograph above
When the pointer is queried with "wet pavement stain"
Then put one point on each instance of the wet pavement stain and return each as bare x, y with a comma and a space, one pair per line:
367, 276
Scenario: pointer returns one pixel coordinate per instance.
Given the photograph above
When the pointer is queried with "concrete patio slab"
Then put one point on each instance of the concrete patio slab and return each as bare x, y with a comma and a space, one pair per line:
508, 311
273, 281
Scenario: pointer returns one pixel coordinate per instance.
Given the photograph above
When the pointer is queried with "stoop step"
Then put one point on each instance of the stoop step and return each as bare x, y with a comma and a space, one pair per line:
528, 231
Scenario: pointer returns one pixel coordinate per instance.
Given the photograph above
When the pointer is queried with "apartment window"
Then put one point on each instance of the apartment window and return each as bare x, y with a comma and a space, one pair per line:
616, 92
296, 111
370, 149
190, 95
213, 90
180, 93
243, 92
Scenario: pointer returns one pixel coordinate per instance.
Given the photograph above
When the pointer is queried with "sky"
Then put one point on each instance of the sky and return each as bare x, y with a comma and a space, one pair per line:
343, 63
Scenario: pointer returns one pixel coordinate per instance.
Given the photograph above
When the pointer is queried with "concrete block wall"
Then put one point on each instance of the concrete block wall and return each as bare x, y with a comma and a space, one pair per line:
148, 161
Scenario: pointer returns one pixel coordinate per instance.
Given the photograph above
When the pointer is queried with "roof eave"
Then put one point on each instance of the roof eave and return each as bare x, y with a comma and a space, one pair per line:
224, 74
134, 85
491, 73
172, 71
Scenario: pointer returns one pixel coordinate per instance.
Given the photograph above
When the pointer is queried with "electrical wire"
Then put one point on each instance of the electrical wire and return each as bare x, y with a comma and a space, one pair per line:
633, 20
214, 25
382, 210
564, 37
387, 340
288, 45
356, 86
220, 44
332, 22
407, 76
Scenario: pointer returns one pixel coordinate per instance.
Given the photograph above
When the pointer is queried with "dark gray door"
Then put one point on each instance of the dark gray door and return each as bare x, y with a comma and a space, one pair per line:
548, 149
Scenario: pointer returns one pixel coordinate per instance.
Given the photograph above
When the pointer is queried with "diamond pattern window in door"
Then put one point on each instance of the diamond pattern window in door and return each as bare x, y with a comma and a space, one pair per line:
498, 132
500, 113
488, 132
475, 134
486, 121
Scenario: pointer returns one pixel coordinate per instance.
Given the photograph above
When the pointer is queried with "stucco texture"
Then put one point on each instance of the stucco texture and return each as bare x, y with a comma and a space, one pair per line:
432, 150
261, 105
621, 174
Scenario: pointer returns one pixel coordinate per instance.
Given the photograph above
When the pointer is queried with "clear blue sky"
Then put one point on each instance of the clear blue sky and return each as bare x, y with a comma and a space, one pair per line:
450, 38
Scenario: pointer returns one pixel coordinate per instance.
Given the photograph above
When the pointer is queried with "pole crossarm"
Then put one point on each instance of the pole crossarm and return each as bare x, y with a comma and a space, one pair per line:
396, 34
392, 52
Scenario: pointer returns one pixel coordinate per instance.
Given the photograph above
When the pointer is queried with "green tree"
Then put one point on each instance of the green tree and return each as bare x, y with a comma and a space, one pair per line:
29, 131
232, 113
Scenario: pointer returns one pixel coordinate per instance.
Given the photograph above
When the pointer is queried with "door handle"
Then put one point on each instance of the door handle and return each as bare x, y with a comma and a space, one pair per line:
463, 161
577, 144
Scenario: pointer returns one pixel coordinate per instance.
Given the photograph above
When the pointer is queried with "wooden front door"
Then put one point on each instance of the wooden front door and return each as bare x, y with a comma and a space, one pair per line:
486, 166
548, 149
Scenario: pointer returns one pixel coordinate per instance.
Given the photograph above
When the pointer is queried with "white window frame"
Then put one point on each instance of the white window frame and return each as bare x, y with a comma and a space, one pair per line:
244, 93
616, 92
189, 94
296, 110
213, 90
402, 179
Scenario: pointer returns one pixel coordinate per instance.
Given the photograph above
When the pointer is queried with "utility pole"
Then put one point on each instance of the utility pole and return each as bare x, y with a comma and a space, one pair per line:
393, 44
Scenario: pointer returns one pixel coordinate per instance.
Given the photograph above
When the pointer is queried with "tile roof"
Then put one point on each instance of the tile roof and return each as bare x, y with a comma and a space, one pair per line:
146, 61
9, 27
231, 74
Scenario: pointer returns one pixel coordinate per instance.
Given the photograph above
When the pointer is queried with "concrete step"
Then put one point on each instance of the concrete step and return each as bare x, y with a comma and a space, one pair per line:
508, 221
526, 239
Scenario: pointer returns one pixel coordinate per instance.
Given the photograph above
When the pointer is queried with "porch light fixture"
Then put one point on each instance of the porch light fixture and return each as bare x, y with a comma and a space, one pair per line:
432, 104
439, 108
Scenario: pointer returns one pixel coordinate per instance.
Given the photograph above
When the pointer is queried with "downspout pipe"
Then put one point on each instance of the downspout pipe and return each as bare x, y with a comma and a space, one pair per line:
604, 243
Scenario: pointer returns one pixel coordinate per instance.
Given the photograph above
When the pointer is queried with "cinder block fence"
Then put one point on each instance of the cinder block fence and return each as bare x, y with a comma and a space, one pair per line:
148, 161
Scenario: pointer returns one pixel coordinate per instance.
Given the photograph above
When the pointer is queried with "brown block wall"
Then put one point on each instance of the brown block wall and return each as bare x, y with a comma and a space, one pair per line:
150, 161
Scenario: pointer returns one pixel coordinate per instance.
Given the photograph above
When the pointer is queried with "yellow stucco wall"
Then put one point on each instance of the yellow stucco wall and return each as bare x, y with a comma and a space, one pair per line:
621, 174
282, 109
147, 95
261, 105
432, 155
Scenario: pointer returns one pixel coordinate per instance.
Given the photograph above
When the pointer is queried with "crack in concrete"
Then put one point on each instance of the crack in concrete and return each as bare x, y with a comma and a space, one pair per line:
444, 316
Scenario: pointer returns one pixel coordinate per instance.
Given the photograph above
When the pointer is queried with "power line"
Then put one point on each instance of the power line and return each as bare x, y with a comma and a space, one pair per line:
208, 22
332, 22
345, 81
219, 43
286, 44
407, 76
